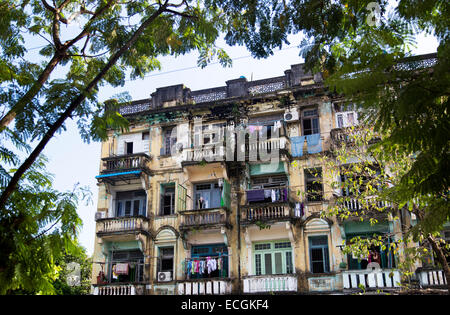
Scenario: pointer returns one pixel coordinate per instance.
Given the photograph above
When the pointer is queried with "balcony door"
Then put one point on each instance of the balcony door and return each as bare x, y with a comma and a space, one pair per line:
207, 195
131, 203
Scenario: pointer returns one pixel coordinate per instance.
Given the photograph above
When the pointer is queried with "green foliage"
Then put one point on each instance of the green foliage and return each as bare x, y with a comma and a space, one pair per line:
38, 226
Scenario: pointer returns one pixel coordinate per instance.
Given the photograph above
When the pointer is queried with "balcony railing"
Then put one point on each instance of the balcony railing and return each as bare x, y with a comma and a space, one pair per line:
432, 278
204, 286
122, 224
268, 145
203, 217
125, 162
382, 278
270, 283
119, 289
207, 153
267, 211
352, 204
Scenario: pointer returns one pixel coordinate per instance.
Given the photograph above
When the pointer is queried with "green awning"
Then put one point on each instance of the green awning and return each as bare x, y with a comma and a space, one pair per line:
267, 168
353, 229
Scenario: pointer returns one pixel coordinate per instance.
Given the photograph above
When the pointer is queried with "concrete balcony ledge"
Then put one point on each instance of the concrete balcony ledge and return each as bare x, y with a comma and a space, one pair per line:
204, 286
204, 218
431, 277
270, 283
120, 225
119, 289
276, 211
376, 279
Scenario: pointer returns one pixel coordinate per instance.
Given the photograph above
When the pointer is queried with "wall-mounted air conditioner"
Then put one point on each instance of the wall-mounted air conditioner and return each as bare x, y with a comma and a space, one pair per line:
100, 215
291, 115
164, 276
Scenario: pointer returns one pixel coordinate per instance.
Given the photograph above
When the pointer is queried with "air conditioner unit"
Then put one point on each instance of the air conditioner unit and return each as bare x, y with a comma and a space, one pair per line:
164, 276
291, 115
100, 215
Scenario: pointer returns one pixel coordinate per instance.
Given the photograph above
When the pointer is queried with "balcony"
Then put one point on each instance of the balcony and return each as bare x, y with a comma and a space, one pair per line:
267, 212
367, 208
260, 207
119, 289
122, 225
124, 167
429, 278
204, 286
212, 217
375, 279
270, 283
207, 153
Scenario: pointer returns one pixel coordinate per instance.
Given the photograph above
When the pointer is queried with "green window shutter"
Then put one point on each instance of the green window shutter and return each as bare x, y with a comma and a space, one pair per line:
225, 198
182, 193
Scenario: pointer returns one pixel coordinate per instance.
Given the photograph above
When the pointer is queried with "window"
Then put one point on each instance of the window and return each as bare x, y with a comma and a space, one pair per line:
210, 251
126, 266
129, 147
273, 258
169, 141
318, 254
310, 122
166, 259
268, 181
346, 119
167, 199
207, 195
313, 184
131, 203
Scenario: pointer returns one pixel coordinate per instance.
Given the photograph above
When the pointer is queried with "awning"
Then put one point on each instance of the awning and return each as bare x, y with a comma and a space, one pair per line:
269, 168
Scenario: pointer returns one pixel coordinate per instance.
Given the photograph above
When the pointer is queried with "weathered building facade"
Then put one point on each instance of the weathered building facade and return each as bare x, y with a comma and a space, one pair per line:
202, 195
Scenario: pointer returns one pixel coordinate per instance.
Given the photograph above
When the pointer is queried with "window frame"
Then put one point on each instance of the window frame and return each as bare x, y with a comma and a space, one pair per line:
311, 118
260, 256
120, 205
164, 193
325, 254
310, 181
168, 142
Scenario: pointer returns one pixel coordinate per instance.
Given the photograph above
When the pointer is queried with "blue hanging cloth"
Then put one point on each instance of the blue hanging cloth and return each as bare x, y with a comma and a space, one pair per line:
297, 146
314, 143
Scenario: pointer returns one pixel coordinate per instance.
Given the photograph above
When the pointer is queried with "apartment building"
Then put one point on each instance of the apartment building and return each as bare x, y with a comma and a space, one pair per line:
201, 196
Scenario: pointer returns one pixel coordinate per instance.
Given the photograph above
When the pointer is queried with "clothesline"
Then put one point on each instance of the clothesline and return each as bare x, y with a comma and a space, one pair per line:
204, 265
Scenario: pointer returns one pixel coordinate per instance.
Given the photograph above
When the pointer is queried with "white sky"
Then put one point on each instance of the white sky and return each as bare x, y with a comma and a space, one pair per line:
72, 161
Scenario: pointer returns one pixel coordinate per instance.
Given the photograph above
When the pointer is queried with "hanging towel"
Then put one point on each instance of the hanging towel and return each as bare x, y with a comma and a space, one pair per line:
297, 210
274, 195
121, 269
314, 143
255, 195
297, 146
285, 194
267, 193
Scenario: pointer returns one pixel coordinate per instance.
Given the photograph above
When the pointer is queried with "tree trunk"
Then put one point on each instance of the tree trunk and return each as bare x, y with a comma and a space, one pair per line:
32, 92
73, 105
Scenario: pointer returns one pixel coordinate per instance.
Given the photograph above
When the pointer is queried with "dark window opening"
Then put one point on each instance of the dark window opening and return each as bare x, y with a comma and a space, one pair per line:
318, 252
310, 122
168, 200
129, 147
313, 183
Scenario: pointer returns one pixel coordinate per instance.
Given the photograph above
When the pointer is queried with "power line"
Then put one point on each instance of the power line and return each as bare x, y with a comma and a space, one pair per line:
196, 67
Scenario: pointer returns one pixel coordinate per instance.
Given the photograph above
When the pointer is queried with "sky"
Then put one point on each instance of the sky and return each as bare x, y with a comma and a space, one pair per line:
72, 161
